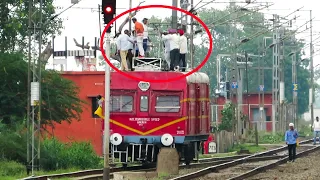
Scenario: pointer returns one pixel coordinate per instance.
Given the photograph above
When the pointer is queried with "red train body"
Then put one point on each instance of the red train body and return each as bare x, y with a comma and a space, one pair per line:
147, 116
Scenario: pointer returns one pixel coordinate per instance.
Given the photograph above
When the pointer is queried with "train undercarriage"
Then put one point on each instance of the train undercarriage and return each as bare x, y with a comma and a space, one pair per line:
129, 153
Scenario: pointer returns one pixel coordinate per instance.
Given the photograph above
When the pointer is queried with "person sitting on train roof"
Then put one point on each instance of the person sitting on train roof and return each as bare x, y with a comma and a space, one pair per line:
183, 46
174, 41
138, 27
123, 45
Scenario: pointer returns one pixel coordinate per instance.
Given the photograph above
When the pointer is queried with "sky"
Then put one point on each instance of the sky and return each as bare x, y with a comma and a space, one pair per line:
83, 20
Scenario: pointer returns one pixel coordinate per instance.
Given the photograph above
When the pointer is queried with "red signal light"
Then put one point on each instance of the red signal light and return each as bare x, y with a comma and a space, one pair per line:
108, 9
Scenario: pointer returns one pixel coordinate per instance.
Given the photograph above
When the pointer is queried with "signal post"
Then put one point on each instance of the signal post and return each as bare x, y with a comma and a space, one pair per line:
108, 11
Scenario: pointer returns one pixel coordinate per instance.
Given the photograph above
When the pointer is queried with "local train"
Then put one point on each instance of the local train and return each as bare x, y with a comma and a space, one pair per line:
144, 116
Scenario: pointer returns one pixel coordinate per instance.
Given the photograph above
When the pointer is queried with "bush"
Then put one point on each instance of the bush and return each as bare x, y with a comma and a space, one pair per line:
13, 146
54, 154
11, 168
61, 156
265, 137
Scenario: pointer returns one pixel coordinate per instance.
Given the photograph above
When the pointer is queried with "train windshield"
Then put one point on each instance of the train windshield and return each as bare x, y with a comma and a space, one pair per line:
121, 103
168, 103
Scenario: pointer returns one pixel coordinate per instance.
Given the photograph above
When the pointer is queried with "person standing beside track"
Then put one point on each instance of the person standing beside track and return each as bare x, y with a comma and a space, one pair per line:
291, 140
316, 130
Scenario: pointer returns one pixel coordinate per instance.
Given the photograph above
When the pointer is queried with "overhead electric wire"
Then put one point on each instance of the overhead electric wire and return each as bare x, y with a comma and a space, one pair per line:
237, 10
295, 31
260, 33
238, 17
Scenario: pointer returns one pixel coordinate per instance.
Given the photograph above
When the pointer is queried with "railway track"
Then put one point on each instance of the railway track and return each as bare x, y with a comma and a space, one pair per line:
246, 166
222, 162
98, 172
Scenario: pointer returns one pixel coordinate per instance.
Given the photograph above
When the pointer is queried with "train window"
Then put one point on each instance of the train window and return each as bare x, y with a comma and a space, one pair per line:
144, 104
121, 103
168, 104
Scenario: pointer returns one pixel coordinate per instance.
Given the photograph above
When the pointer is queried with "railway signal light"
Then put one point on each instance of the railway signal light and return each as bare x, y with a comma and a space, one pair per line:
108, 11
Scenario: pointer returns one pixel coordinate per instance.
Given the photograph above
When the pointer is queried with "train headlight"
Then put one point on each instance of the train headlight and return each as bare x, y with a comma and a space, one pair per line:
166, 139
116, 139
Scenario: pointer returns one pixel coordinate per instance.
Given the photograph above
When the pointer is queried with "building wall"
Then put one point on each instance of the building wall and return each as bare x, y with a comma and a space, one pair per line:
88, 128
253, 101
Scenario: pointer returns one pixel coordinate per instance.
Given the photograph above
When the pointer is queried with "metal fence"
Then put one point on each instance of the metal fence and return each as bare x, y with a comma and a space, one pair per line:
260, 116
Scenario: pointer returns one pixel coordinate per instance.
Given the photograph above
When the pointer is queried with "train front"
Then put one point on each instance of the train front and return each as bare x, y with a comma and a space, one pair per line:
145, 116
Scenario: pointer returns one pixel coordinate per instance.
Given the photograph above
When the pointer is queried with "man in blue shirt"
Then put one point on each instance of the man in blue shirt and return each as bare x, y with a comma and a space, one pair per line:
291, 140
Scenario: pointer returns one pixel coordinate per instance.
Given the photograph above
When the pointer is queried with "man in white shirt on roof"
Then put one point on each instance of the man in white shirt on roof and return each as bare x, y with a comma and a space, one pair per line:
183, 50
316, 129
174, 41
166, 50
123, 45
146, 33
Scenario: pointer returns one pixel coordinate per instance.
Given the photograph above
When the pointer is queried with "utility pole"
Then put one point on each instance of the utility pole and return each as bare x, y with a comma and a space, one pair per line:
275, 72
130, 22
184, 20
174, 20
109, 11
294, 81
235, 73
247, 81
106, 169
311, 91
34, 89
281, 76
191, 39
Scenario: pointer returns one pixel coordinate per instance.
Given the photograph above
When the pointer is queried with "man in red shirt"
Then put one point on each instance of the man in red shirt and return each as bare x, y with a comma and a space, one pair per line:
139, 34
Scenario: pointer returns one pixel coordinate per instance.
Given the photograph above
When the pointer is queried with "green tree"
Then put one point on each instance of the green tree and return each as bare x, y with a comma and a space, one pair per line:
228, 118
59, 95
14, 19
250, 25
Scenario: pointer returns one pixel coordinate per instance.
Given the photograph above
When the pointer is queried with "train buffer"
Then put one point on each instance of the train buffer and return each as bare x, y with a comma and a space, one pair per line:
148, 64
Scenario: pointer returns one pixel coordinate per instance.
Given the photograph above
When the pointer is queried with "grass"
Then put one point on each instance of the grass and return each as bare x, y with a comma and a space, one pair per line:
251, 148
38, 173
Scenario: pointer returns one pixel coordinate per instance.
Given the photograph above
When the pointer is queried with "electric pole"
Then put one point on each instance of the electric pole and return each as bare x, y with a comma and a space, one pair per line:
275, 72
191, 39
184, 4
234, 76
311, 91
109, 10
174, 21
294, 82
34, 88
280, 123
130, 22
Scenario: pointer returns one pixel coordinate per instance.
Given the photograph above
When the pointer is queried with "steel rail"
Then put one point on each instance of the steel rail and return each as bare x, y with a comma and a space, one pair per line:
97, 172
197, 165
272, 165
94, 172
226, 165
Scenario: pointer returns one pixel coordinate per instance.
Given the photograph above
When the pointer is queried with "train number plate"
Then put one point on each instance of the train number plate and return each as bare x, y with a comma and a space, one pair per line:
212, 147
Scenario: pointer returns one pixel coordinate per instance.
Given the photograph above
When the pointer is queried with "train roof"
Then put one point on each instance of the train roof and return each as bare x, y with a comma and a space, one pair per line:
197, 77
